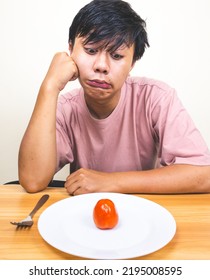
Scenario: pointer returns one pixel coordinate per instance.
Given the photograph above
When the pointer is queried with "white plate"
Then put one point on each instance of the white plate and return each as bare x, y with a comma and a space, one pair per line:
143, 227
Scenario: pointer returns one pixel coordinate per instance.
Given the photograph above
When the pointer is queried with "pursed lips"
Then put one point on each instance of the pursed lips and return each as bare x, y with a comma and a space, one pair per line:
99, 84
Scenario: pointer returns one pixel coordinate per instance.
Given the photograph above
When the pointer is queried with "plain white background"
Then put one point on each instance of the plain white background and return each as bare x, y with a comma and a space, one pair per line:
31, 31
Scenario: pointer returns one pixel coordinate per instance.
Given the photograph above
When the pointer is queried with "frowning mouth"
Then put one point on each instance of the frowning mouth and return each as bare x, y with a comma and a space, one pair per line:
99, 84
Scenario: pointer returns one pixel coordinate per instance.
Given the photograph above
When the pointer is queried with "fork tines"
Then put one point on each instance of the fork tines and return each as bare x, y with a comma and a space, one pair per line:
22, 224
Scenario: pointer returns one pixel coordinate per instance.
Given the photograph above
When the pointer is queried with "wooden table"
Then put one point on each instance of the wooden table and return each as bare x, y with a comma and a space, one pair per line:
191, 212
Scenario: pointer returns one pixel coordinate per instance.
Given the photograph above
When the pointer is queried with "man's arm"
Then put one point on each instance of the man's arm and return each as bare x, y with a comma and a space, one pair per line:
37, 154
178, 178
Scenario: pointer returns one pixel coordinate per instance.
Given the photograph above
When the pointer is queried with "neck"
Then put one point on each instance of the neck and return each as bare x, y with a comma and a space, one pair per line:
99, 113
102, 109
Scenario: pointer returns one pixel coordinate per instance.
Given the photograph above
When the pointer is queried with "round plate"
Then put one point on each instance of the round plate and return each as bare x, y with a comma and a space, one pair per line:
143, 227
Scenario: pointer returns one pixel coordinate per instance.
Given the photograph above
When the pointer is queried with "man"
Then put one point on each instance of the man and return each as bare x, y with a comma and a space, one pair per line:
119, 134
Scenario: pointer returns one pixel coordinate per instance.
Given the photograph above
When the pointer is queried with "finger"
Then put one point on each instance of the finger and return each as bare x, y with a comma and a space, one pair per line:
76, 74
73, 78
71, 188
80, 190
73, 177
73, 183
76, 192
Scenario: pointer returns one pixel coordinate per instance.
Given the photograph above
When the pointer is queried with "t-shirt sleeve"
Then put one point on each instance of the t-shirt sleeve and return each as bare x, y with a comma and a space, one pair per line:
180, 142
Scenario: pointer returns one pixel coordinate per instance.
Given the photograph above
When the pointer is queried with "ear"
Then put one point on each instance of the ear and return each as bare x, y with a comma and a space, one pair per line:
70, 47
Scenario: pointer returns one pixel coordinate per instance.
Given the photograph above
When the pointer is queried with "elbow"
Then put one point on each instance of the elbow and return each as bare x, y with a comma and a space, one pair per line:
32, 181
32, 185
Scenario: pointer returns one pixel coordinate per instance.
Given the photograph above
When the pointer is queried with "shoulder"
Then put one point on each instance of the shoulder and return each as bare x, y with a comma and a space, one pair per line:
69, 104
148, 84
150, 91
68, 97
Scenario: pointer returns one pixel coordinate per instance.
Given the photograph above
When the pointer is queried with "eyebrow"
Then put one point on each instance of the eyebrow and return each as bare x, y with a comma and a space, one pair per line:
112, 44
107, 46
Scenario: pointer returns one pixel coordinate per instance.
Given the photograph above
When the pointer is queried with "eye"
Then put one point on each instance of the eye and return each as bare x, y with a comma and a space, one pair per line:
90, 51
116, 56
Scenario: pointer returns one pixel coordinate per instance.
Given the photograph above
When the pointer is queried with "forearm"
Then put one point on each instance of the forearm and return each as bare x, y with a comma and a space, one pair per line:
37, 154
170, 179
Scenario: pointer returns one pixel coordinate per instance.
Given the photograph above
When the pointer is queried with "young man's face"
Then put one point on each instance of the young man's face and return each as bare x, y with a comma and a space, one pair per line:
101, 73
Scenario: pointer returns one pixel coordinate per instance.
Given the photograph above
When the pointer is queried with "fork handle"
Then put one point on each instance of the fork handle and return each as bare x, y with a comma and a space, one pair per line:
39, 204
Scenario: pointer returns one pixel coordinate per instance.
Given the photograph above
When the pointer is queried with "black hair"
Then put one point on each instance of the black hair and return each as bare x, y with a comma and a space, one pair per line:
111, 22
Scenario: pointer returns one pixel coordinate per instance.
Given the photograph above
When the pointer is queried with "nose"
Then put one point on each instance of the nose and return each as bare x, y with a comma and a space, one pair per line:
101, 64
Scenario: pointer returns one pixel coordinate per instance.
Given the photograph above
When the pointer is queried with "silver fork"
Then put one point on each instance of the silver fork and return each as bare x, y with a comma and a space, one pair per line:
28, 222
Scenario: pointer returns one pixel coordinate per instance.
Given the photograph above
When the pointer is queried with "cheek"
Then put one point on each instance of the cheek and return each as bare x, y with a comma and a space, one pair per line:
82, 64
122, 73
78, 58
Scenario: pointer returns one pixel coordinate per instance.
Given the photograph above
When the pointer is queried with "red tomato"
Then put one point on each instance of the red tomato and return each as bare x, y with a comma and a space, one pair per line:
105, 214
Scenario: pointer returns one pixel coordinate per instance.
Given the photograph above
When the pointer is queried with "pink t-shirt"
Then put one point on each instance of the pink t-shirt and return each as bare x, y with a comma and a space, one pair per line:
148, 128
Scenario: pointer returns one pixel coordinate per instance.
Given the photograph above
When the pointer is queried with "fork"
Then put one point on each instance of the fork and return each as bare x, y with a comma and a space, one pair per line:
28, 222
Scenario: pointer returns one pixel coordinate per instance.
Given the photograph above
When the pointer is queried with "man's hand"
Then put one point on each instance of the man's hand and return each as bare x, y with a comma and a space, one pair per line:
62, 70
88, 181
